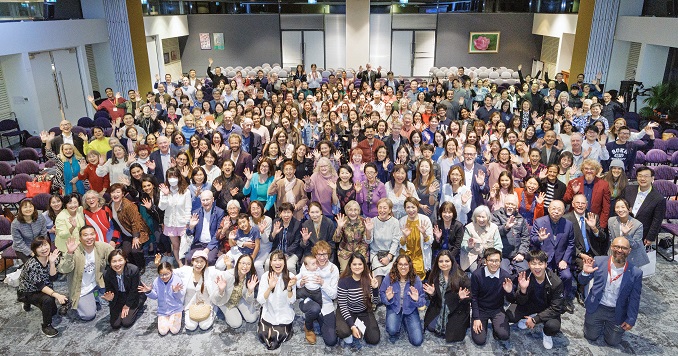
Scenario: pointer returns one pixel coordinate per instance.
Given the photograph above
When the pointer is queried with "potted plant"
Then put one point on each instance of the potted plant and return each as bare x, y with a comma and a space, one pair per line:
662, 104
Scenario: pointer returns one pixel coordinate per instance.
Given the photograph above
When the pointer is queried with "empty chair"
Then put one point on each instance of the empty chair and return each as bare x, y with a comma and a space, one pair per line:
349, 75
640, 157
27, 167
102, 113
667, 188
483, 68
34, 142
515, 75
326, 74
7, 155
265, 65
102, 122
276, 65
453, 69
41, 201
108, 131
483, 75
252, 73
502, 69
472, 68
672, 145
494, 75
433, 69
231, 74
227, 69
77, 130
282, 74
247, 69
674, 159
664, 172
17, 190
9, 128
85, 122
238, 68
28, 153
505, 75
56, 130
275, 70
656, 157
670, 228
440, 74
660, 144
5, 169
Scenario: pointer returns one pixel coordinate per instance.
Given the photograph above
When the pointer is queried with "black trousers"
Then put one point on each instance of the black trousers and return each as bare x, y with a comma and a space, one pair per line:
47, 305
134, 255
500, 327
116, 310
517, 312
372, 333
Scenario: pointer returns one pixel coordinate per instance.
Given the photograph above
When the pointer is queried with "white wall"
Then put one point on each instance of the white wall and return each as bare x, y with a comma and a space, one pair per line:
554, 25
21, 91
45, 35
380, 41
335, 41
659, 31
166, 26
651, 64
565, 52
357, 33
618, 61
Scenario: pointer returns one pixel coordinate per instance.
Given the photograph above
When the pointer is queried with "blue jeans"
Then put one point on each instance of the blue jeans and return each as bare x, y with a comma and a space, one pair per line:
412, 323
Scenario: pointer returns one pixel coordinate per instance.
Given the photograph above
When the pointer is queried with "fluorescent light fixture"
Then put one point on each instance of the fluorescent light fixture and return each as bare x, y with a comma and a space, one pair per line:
312, 1
404, 1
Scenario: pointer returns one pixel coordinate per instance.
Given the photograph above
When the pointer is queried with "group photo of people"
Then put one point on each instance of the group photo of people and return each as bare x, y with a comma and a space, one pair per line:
363, 205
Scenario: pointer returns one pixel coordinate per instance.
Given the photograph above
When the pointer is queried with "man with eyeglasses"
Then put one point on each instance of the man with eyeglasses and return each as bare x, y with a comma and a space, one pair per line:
596, 190
555, 236
203, 227
613, 301
647, 204
473, 173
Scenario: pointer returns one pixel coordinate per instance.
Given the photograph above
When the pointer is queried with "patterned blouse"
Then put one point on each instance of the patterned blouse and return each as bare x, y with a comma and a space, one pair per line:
351, 239
34, 277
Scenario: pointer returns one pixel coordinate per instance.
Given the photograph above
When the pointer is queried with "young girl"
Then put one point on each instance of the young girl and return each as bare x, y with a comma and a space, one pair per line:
500, 190
357, 165
175, 201
169, 291
88, 172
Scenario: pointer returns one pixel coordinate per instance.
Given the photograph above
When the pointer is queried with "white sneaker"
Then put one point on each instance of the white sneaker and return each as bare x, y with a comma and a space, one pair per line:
522, 324
547, 341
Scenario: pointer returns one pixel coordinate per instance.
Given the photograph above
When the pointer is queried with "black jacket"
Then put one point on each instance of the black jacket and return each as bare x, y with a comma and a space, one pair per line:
327, 230
459, 318
554, 297
131, 297
454, 237
598, 244
388, 142
293, 238
559, 191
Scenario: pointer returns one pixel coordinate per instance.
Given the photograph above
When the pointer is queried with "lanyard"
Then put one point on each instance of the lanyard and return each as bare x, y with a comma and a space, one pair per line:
609, 270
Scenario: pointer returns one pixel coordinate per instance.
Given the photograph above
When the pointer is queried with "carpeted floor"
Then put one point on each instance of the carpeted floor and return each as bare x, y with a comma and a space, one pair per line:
655, 333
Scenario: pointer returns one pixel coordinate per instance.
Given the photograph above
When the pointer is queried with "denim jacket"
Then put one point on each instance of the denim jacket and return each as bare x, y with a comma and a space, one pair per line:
409, 306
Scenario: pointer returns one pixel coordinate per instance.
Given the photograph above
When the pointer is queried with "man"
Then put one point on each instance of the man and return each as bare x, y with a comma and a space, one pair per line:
240, 158
161, 159
217, 76
539, 299
489, 286
130, 106
204, 228
515, 235
613, 301
370, 144
251, 141
549, 152
414, 91
193, 79
593, 148
110, 104
611, 110
625, 151
162, 96
576, 140
575, 97
407, 128
151, 101
187, 88
84, 265
596, 191
428, 134
560, 84
392, 82
461, 76
589, 238
378, 105
169, 85
368, 75
486, 111
647, 204
473, 172
67, 136
228, 127
596, 116
227, 95
535, 98
395, 140
286, 236
120, 130
555, 236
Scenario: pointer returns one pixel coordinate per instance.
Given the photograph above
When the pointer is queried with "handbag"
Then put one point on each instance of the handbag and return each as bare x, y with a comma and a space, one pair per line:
651, 268
199, 311
36, 187
185, 244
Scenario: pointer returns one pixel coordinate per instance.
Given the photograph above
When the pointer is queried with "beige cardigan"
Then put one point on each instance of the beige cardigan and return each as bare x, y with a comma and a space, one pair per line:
73, 266
278, 189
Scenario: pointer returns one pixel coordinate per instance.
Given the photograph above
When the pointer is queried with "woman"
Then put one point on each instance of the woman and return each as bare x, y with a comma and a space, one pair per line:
417, 237
288, 189
623, 225
530, 201
227, 186
428, 188
169, 291
56, 205
115, 167
67, 166
449, 291
281, 138
385, 240
152, 215
202, 287
457, 193
277, 294
36, 284
218, 145
450, 157
69, 221
353, 234
27, 226
183, 164
122, 290
198, 185
322, 185
383, 164
616, 179
345, 189
500, 190
265, 224
506, 162
566, 169
97, 215
327, 150
551, 186
448, 231
211, 166
534, 167
258, 184
131, 231
175, 201
403, 295
398, 189
303, 161
178, 143
99, 142
479, 235
237, 300
370, 192
357, 292
324, 314
88, 172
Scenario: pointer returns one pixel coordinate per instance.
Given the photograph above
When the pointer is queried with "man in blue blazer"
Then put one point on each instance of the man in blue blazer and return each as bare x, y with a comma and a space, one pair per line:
161, 159
471, 180
613, 301
555, 235
204, 236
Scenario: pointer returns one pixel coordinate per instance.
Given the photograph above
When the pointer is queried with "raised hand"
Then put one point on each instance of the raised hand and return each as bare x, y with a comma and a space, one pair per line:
523, 282
277, 227
540, 198
221, 283
369, 224
252, 283
72, 245
217, 185
248, 173
316, 154
54, 255
429, 289
157, 258
143, 288
542, 174
358, 186
576, 185
164, 189
341, 220
543, 234
234, 191
625, 228
185, 171
389, 293
305, 234
374, 282
177, 287
591, 219
511, 222
433, 187
437, 232
466, 197
414, 294
386, 163
291, 283
193, 222
507, 285
464, 293
278, 176
337, 156
332, 185
108, 296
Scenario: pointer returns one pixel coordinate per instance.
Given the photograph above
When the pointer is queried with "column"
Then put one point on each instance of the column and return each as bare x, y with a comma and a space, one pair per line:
581, 38
357, 33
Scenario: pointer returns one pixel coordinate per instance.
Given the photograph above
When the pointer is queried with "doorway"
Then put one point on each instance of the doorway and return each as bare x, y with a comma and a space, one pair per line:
412, 52
303, 47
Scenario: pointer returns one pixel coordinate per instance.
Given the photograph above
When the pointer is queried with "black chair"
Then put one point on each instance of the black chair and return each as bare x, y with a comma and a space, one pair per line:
10, 128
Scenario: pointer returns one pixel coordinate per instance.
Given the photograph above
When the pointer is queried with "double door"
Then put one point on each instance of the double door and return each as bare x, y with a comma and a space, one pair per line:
303, 47
412, 52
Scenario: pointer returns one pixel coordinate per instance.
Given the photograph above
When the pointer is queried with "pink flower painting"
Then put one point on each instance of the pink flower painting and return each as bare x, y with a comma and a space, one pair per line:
481, 43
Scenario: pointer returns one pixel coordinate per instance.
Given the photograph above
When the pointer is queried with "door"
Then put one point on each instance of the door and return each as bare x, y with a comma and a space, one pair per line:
401, 53
412, 52
46, 87
424, 51
73, 97
291, 49
303, 47
152, 49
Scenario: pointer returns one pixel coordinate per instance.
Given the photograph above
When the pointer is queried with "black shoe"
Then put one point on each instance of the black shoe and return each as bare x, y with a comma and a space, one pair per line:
580, 299
569, 307
26, 307
50, 331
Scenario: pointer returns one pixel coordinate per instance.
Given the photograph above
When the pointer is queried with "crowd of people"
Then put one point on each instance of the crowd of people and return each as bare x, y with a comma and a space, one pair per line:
473, 202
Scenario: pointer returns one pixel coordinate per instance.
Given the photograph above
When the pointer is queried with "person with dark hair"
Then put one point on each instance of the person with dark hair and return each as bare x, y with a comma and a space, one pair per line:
551, 186
69, 221
130, 226
27, 225
538, 298
84, 265
286, 235
448, 290
277, 294
448, 231
122, 290
203, 227
357, 292
258, 183
402, 293
239, 292
370, 144
169, 291
647, 204
489, 286
36, 284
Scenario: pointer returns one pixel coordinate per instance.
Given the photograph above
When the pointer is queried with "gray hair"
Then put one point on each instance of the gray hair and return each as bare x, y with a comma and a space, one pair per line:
89, 193
481, 210
233, 203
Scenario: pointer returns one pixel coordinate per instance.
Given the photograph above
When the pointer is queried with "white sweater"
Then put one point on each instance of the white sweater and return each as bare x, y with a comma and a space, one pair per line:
177, 208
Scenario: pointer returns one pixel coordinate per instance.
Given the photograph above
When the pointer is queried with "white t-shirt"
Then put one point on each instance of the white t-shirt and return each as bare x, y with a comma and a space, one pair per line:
88, 280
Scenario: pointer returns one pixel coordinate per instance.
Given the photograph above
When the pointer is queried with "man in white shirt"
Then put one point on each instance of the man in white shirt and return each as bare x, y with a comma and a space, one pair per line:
378, 105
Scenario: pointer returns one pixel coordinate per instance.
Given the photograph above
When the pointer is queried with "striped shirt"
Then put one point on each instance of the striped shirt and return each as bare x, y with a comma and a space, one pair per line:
350, 299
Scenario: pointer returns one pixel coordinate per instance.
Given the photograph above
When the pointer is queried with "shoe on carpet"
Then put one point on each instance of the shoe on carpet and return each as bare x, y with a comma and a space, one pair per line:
310, 336
547, 341
569, 306
25, 307
50, 331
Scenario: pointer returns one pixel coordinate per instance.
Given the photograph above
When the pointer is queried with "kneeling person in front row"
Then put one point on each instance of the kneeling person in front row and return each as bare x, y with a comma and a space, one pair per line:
489, 286
539, 298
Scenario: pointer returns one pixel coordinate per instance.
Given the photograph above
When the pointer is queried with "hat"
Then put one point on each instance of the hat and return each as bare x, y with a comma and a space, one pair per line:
617, 163
200, 253
574, 86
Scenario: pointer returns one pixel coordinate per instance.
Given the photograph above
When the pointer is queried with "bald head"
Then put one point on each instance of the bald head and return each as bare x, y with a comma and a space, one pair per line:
206, 199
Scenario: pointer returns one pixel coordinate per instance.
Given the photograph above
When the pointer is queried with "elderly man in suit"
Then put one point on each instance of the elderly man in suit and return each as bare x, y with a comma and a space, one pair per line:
251, 141
240, 158
647, 204
473, 172
613, 301
368, 75
203, 227
161, 159
590, 239
555, 236
596, 190
67, 136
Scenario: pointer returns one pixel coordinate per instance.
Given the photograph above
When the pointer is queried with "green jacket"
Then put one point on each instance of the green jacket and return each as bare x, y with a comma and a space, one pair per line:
73, 266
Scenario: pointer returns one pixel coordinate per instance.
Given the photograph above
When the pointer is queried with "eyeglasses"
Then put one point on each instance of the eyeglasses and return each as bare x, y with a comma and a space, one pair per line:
166, 275
494, 261
620, 248
469, 154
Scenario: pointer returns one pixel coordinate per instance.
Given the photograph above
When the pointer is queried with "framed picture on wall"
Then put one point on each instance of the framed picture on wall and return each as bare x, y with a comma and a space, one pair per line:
218, 41
483, 42
174, 56
205, 42
166, 57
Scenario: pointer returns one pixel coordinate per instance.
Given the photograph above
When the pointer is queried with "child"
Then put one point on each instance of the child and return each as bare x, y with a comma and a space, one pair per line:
245, 240
100, 184
311, 289
169, 291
